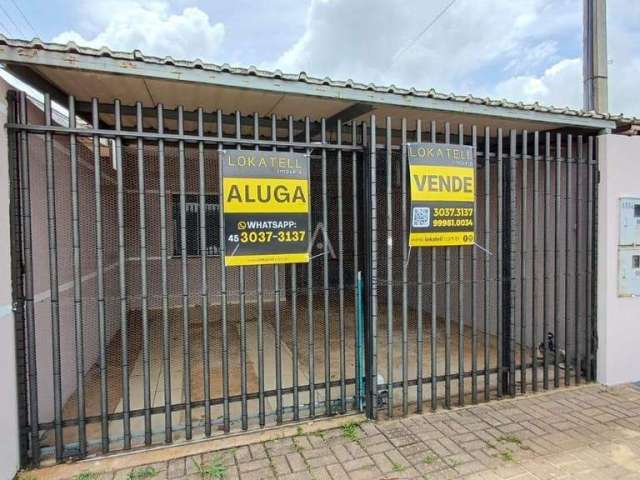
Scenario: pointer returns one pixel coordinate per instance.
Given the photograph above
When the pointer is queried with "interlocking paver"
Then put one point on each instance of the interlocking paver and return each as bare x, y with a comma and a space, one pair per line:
586, 433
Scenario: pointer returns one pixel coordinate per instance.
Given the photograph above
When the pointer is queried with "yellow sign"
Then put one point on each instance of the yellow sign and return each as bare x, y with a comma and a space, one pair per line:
266, 207
267, 195
442, 179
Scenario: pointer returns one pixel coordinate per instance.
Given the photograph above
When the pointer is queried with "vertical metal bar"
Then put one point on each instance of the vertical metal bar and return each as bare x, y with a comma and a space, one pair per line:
223, 288
186, 340
405, 321
276, 273
474, 291
487, 262
591, 257
461, 303
53, 282
142, 232
568, 198
122, 269
294, 316
373, 277
261, 372
356, 270
244, 418
312, 366
577, 275
545, 267
447, 274
166, 328
343, 386
204, 282
77, 281
434, 291
513, 285
17, 273
405, 294
556, 266
102, 326
325, 275
27, 254
389, 225
523, 265
499, 277
534, 276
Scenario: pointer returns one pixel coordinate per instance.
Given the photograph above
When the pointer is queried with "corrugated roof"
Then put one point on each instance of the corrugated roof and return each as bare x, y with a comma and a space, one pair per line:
137, 55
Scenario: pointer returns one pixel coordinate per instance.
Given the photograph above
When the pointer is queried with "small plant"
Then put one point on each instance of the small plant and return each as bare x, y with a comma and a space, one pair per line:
86, 475
142, 473
298, 448
319, 434
215, 469
507, 456
299, 431
350, 431
398, 467
510, 439
453, 463
430, 459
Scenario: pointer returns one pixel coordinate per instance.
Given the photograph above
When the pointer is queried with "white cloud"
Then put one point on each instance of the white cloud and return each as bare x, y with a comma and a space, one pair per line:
151, 28
559, 85
360, 39
527, 50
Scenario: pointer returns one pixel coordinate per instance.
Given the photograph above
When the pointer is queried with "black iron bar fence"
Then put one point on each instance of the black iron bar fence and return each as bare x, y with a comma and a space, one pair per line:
135, 333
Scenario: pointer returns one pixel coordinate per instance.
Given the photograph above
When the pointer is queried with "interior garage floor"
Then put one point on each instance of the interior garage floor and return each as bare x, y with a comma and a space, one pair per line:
114, 369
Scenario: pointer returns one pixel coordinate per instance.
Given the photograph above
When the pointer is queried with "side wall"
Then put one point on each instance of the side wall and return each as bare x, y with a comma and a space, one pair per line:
9, 454
618, 317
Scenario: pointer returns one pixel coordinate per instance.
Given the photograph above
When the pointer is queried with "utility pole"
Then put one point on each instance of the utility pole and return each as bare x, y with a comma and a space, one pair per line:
594, 61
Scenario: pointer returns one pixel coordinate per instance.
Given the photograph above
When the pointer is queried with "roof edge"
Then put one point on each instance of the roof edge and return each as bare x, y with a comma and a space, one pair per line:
74, 57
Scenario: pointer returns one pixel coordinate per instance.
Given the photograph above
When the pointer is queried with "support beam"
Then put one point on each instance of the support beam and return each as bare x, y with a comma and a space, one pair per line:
346, 115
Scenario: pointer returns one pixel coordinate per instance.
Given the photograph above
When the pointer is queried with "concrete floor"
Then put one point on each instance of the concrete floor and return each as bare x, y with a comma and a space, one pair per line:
252, 357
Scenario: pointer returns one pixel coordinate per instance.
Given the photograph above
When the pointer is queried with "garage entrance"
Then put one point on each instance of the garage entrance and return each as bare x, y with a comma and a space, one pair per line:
135, 333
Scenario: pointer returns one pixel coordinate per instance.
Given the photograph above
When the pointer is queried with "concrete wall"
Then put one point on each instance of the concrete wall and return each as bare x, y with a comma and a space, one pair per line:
618, 317
9, 447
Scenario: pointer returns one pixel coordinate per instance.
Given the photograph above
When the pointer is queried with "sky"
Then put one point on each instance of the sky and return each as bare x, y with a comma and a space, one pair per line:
521, 50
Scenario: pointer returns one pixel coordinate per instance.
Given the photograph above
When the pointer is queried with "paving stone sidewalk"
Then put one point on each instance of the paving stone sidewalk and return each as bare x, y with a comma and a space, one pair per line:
588, 432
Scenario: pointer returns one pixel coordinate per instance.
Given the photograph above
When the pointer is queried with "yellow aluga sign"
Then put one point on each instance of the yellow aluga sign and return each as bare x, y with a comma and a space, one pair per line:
443, 192
265, 204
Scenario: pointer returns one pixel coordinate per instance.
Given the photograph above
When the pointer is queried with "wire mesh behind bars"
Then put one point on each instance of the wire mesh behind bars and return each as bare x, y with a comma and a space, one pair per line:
137, 335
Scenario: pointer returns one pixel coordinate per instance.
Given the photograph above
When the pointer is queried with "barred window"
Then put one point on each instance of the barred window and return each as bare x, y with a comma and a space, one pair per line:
212, 224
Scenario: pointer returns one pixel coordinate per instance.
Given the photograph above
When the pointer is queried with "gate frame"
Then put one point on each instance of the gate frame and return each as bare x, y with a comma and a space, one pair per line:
368, 167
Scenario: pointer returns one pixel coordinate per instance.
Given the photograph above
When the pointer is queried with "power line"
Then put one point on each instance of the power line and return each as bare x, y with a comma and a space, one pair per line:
20, 32
24, 17
424, 30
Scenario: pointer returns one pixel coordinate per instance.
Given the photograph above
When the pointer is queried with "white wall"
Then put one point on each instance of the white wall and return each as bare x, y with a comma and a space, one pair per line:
9, 446
618, 317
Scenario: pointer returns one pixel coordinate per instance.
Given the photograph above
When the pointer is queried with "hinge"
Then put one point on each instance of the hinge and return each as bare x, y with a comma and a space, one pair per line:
598, 176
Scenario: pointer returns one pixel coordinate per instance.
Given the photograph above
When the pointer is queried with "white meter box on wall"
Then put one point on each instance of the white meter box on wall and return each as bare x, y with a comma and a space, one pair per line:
629, 248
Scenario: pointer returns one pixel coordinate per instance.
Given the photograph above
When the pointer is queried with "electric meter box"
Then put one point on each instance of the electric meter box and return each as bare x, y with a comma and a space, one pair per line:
629, 248
629, 271
629, 222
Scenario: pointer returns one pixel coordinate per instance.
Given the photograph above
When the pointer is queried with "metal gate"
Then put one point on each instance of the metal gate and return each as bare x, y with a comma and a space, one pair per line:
133, 332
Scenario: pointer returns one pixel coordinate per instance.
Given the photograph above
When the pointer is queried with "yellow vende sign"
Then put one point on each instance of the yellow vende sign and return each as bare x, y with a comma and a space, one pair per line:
443, 190
265, 203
